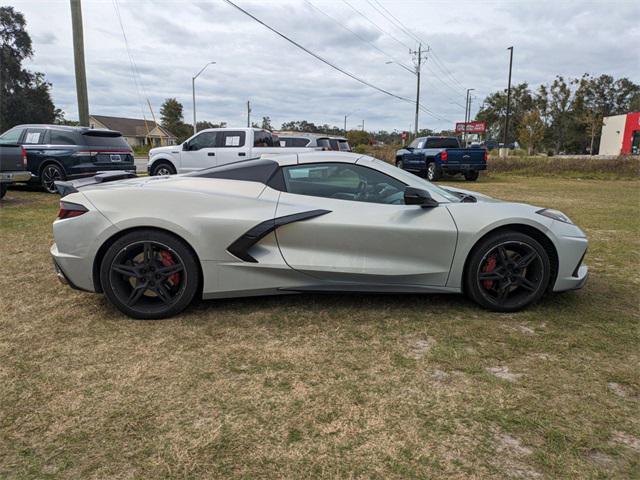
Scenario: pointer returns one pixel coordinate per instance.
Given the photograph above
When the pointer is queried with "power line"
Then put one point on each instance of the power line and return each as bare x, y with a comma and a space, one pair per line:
375, 24
323, 60
398, 23
386, 54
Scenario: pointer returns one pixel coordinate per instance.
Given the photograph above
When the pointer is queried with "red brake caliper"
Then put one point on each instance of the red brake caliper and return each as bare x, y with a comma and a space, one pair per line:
489, 266
167, 260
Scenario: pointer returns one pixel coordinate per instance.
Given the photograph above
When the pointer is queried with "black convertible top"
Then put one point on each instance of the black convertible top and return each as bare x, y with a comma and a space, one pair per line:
256, 170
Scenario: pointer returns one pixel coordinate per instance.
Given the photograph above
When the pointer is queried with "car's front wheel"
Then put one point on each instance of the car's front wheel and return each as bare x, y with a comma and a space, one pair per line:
507, 272
400, 164
50, 174
163, 168
149, 274
3, 189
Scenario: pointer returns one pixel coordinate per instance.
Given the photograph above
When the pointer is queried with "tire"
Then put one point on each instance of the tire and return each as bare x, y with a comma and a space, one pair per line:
400, 164
3, 189
507, 271
162, 168
434, 172
149, 274
49, 174
471, 175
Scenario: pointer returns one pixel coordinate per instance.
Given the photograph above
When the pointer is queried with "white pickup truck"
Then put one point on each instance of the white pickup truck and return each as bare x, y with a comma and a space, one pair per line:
213, 147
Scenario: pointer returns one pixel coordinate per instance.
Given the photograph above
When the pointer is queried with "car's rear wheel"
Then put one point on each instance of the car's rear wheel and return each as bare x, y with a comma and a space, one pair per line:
3, 189
149, 274
50, 174
433, 172
471, 175
507, 272
163, 168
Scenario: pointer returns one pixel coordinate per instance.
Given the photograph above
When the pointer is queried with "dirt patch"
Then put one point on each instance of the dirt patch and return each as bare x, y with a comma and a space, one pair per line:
504, 373
511, 455
419, 347
440, 376
600, 458
622, 438
621, 390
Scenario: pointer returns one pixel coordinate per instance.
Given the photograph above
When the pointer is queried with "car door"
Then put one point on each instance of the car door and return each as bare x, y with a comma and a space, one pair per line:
200, 152
33, 140
362, 231
232, 146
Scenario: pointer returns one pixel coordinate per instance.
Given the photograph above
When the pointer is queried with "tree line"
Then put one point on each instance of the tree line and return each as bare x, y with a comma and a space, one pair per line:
564, 116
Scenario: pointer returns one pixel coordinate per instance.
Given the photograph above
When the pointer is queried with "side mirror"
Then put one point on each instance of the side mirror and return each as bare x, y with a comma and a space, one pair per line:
417, 196
185, 146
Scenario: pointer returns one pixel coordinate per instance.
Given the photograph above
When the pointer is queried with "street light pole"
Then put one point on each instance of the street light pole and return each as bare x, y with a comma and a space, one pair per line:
506, 123
193, 92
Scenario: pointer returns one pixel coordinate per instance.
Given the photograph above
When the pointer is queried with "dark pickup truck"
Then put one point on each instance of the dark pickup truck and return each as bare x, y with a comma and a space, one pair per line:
13, 164
434, 156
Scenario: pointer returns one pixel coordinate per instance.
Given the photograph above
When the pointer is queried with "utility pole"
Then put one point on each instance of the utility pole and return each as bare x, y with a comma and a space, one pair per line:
345, 123
467, 115
363, 125
78, 58
506, 123
418, 64
248, 114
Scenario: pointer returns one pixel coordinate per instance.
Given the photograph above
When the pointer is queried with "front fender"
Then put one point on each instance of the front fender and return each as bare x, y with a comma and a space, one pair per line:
475, 220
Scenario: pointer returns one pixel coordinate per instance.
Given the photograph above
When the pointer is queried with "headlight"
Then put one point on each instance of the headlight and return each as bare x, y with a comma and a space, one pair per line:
555, 215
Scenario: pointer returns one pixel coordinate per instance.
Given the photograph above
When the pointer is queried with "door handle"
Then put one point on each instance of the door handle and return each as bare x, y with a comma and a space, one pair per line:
212, 154
242, 154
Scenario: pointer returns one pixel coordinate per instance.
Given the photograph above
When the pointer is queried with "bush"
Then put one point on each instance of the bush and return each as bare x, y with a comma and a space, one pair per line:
624, 166
141, 151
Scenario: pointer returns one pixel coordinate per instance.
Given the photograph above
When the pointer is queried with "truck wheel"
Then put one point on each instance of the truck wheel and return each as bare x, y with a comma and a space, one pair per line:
471, 175
162, 168
3, 189
433, 172
400, 164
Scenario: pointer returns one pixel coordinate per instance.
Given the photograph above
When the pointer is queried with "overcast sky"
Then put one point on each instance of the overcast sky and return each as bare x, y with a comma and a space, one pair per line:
171, 40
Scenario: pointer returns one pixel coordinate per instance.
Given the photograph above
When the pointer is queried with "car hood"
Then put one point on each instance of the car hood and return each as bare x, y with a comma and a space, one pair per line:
480, 197
168, 149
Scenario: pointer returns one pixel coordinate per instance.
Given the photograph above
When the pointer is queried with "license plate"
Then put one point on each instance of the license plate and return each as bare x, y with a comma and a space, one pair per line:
116, 158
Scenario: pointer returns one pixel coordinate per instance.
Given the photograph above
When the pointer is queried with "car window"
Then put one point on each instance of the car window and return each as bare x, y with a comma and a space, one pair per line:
105, 140
344, 146
231, 139
62, 137
11, 136
294, 142
343, 181
416, 142
203, 140
263, 139
442, 143
34, 136
324, 143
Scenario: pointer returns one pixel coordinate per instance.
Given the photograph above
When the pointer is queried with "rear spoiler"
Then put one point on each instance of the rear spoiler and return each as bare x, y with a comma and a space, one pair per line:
65, 188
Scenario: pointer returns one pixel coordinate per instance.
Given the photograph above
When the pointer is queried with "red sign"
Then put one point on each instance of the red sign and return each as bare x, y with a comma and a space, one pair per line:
403, 135
471, 127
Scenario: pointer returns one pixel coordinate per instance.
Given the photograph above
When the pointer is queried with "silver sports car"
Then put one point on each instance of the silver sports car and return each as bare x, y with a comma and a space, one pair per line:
312, 222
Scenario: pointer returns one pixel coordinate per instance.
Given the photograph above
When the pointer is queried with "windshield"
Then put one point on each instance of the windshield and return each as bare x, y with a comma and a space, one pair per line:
411, 179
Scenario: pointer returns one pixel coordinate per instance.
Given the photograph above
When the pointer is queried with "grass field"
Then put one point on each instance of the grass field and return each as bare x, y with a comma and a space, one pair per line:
327, 386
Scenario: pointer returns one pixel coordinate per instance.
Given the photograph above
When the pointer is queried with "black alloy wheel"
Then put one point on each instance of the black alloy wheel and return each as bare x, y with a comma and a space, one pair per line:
508, 272
49, 175
149, 274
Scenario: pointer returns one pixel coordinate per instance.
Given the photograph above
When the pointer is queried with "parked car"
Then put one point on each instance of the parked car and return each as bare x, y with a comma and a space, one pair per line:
57, 152
339, 144
213, 147
301, 140
490, 144
13, 166
343, 222
434, 156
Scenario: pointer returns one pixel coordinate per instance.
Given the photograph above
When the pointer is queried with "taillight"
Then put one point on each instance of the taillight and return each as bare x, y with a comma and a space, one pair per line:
486, 156
24, 158
70, 210
444, 155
